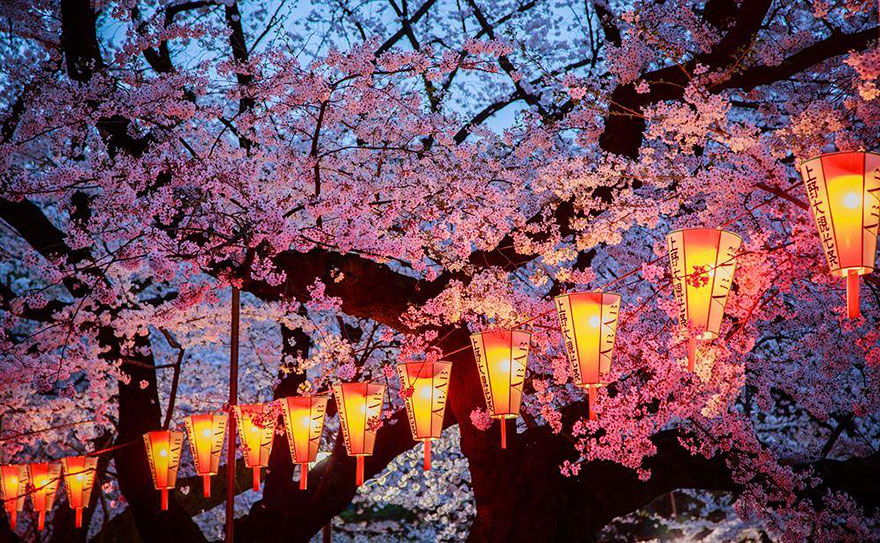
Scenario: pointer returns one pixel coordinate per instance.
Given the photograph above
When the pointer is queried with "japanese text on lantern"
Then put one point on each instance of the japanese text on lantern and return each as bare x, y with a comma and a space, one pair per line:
501, 357
588, 321
304, 423
678, 287
701, 258
818, 196
427, 403
371, 409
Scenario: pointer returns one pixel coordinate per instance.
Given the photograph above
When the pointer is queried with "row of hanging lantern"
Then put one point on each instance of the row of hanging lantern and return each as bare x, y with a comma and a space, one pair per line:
844, 194
40, 482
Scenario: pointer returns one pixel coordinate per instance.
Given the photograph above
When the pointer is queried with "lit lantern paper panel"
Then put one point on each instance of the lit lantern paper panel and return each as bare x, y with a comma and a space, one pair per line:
206, 435
163, 452
360, 415
79, 478
844, 194
501, 358
13, 489
588, 321
45, 478
256, 430
425, 385
702, 261
303, 424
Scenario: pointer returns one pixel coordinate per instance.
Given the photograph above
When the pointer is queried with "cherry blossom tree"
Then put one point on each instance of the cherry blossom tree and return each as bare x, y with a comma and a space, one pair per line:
380, 179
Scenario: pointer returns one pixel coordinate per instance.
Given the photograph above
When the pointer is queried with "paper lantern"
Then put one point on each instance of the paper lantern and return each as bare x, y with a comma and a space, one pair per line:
588, 321
256, 430
45, 478
13, 487
360, 415
702, 261
206, 435
501, 357
844, 193
303, 423
424, 385
163, 452
79, 477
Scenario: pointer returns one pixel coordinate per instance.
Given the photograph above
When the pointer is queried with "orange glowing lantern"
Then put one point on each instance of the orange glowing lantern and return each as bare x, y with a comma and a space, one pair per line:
45, 478
206, 435
588, 321
844, 193
501, 357
360, 415
256, 430
702, 261
424, 385
13, 487
163, 452
79, 478
303, 423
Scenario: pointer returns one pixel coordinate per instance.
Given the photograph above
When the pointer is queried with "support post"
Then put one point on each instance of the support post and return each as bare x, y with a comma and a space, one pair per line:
359, 470
692, 353
593, 401
233, 399
427, 464
503, 422
852, 294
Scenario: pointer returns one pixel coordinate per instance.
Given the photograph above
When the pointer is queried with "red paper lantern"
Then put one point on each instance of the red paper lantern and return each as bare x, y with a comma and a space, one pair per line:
303, 423
502, 357
45, 478
13, 488
844, 193
702, 261
206, 435
588, 321
163, 452
79, 477
360, 415
256, 430
425, 385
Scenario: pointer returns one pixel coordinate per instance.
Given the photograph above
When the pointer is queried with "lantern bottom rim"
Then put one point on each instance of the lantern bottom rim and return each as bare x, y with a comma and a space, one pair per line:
860, 270
505, 416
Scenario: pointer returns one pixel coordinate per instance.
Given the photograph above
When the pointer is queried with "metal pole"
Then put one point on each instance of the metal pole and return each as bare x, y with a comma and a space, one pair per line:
233, 399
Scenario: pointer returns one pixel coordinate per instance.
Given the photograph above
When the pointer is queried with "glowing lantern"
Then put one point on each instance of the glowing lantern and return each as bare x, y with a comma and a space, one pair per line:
424, 385
304, 422
256, 429
13, 487
79, 477
702, 261
163, 452
588, 321
501, 357
360, 415
206, 435
844, 193
45, 478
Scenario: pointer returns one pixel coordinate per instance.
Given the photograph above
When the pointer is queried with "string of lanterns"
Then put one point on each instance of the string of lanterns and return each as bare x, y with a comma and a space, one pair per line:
844, 195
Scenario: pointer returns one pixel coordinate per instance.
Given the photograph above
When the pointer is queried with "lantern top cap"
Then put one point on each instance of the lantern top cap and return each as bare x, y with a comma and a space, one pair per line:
823, 155
602, 292
423, 362
496, 330
367, 382
704, 229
